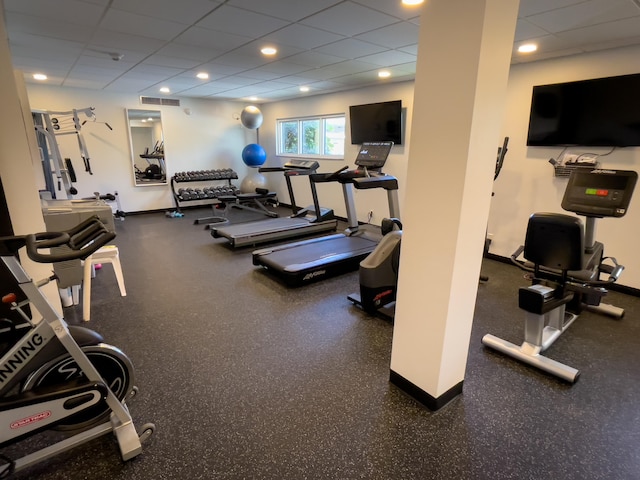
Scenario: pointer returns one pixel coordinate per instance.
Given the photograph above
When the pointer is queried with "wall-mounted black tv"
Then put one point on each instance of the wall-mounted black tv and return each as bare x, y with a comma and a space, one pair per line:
376, 122
601, 112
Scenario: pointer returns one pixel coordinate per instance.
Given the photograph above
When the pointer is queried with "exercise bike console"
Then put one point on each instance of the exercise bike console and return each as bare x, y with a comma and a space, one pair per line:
599, 193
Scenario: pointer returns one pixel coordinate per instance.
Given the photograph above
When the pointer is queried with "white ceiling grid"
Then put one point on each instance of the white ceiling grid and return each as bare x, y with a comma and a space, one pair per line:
327, 45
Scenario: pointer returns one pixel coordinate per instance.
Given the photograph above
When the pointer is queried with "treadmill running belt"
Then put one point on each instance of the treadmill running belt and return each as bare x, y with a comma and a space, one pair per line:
315, 260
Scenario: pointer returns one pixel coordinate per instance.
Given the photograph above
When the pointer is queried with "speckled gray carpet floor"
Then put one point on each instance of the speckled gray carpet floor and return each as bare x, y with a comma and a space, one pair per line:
246, 379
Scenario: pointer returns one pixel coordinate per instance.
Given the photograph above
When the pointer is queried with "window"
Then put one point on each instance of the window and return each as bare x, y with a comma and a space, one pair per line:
321, 136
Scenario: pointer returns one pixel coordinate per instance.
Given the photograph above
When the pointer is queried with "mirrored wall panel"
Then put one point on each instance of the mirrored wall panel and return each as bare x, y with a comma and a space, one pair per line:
147, 147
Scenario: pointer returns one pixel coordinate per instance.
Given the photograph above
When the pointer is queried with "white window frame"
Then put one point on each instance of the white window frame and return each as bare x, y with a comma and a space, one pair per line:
321, 141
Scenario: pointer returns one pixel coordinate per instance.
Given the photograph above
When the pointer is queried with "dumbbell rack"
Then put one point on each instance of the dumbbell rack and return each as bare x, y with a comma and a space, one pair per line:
202, 195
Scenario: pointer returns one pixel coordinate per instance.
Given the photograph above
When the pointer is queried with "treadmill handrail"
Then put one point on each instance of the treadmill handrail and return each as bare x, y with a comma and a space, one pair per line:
388, 182
327, 177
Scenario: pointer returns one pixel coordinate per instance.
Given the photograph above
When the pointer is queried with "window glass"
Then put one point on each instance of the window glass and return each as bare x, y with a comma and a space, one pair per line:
311, 133
289, 137
334, 136
321, 136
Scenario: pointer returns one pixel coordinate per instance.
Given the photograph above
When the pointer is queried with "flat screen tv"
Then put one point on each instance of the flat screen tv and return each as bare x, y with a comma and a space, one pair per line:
601, 112
376, 122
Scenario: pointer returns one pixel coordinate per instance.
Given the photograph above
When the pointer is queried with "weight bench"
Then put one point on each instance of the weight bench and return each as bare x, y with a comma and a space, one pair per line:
554, 248
253, 202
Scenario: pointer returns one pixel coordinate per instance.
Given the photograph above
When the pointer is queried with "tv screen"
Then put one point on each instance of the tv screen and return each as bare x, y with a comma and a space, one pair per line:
602, 112
376, 122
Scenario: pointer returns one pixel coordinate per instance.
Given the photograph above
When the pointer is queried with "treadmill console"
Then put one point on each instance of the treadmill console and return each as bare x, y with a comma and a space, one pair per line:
600, 192
302, 164
373, 154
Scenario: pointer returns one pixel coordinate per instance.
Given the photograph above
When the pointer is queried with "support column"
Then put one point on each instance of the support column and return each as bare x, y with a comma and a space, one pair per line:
460, 89
18, 159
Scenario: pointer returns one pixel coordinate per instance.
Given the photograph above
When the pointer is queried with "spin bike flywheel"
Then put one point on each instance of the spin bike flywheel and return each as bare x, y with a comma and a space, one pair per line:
112, 364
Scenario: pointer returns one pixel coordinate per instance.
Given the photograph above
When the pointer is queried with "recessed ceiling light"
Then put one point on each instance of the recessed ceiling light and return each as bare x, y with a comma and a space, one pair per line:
527, 48
253, 99
202, 75
39, 76
268, 51
304, 89
384, 73
165, 90
412, 2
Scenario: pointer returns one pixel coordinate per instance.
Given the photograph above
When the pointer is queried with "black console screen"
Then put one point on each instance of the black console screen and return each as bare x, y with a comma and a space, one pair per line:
599, 193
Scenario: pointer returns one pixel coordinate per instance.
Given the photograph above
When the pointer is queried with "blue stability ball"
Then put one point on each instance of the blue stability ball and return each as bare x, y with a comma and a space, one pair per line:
253, 155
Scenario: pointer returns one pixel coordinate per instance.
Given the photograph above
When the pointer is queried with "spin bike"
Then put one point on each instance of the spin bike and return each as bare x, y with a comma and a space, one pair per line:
55, 376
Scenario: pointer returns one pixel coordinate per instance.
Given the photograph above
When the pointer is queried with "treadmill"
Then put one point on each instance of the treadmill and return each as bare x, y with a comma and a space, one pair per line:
306, 221
307, 261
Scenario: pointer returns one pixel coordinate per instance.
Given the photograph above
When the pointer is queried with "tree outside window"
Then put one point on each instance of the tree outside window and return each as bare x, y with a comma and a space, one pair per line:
321, 136
311, 132
290, 137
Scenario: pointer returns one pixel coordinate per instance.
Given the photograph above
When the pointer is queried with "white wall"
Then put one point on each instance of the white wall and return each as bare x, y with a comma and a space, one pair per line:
330, 194
210, 137
199, 135
527, 183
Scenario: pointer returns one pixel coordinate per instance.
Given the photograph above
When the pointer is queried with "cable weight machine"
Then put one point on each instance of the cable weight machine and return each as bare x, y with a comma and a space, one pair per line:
51, 124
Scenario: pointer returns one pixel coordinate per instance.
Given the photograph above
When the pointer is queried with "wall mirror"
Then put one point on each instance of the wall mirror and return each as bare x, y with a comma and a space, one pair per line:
147, 147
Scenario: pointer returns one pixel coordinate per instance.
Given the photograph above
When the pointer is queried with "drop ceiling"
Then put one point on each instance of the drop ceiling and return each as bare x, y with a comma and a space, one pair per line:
138, 46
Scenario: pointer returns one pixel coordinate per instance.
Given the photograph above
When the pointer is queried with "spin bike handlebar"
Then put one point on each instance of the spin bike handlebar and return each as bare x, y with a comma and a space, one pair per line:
83, 240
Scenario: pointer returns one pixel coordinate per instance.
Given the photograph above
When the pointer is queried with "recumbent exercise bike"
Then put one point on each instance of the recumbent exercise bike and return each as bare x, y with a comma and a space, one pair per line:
566, 264
55, 376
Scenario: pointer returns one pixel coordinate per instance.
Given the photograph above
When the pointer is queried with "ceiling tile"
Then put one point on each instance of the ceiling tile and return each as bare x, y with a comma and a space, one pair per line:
350, 48
349, 19
334, 44
69, 11
206, 38
252, 49
301, 36
116, 41
149, 71
236, 20
388, 58
44, 27
182, 11
278, 69
584, 14
610, 31
531, 7
292, 10
526, 30
243, 62
314, 59
141, 25
126, 84
88, 84
397, 35
397, 9
191, 52
167, 61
